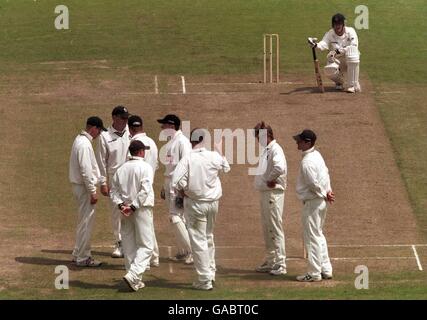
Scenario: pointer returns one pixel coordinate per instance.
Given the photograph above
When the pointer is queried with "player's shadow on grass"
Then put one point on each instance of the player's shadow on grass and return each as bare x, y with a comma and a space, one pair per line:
59, 251
56, 262
252, 275
122, 287
310, 90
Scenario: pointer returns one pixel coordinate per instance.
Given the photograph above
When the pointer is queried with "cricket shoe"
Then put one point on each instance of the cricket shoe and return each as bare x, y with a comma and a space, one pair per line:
189, 259
203, 285
354, 89
339, 87
135, 285
264, 268
89, 262
308, 278
326, 275
178, 257
118, 251
154, 263
280, 270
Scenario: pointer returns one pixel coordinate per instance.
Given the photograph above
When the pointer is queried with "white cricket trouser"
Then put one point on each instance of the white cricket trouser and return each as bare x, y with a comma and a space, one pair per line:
116, 216
200, 217
155, 256
85, 221
313, 220
116, 221
137, 241
272, 218
176, 216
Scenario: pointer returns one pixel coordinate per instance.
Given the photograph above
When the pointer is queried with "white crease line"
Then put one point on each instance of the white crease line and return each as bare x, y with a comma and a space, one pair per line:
183, 85
197, 93
420, 267
156, 85
330, 245
373, 245
337, 259
170, 255
372, 258
236, 83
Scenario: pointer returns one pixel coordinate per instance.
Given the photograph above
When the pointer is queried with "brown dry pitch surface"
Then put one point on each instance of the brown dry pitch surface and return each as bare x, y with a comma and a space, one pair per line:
37, 232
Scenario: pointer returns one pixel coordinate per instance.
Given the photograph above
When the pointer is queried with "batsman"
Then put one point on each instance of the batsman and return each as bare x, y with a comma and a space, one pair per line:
344, 57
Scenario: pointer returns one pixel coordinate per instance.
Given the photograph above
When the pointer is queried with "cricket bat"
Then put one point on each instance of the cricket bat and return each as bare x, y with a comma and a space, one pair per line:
317, 71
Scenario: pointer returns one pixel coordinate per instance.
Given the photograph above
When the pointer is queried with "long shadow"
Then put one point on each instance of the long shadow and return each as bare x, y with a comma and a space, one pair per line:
59, 251
68, 263
121, 286
252, 275
310, 90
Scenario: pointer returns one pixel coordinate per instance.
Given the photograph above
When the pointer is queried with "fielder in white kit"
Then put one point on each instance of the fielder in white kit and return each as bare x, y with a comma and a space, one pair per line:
136, 129
314, 190
344, 55
132, 193
197, 176
84, 176
111, 153
177, 147
270, 181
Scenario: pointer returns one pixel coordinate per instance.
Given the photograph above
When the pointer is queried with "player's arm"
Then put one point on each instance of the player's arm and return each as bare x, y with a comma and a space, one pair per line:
310, 177
101, 155
146, 187
85, 168
321, 45
180, 175
115, 194
278, 167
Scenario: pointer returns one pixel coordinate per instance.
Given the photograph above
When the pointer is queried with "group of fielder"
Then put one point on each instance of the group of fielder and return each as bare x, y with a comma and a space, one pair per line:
125, 160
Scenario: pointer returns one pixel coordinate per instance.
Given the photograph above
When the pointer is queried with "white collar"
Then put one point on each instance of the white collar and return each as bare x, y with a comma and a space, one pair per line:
143, 134
304, 153
201, 149
87, 135
136, 158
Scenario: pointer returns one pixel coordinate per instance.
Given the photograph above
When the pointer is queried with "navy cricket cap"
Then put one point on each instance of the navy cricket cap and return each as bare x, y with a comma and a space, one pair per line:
121, 112
137, 145
135, 121
170, 119
95, 122
306, 135
338, 19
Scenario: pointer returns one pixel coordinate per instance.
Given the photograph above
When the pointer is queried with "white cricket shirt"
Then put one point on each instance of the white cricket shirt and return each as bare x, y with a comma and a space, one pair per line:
332, 41
176, 149
133, 184
313, 179
112, 151
198, 175
151, 155
83, 166
271, 167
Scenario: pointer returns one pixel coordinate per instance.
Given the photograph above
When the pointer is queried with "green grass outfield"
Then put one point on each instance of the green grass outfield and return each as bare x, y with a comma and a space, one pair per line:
208, 37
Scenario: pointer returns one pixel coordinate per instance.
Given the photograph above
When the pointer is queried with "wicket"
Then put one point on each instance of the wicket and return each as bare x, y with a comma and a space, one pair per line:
268, 45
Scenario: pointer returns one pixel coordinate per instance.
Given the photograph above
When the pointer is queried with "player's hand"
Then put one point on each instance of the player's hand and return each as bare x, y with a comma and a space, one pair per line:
330, 197
163, 194
126, 211
331, 57
271, 184
312, 42
93, 198
105, 190
339, 52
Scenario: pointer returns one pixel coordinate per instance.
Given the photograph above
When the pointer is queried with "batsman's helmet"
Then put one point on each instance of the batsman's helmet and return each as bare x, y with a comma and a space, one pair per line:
338, 19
